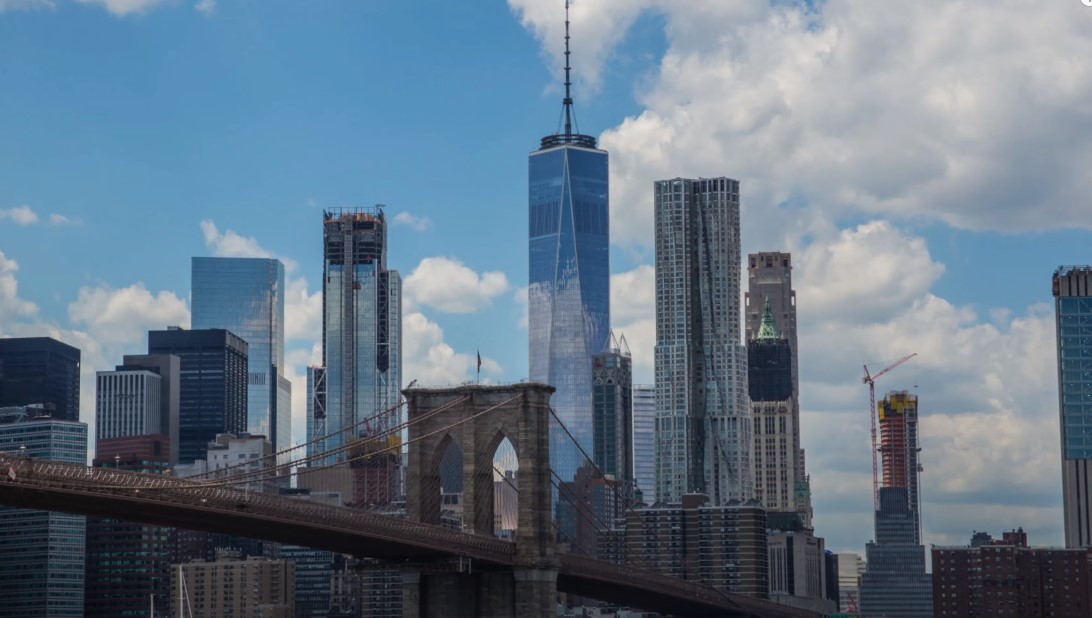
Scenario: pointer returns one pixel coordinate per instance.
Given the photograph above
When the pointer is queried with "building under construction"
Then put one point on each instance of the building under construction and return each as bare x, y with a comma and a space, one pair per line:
899, 450
361, 350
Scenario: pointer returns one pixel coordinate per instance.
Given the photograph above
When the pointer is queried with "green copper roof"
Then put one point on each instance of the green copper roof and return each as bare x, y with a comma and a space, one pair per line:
768, 329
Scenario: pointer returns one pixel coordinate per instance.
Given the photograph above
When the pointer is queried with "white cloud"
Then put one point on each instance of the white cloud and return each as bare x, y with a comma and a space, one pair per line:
11, 306
856, 107
430, 360
230, 243
448, 285
25, 5
59, 219
302, 311
21, 215
520, 296
122, 8
633, 314
413, 221
125, 315
206, 7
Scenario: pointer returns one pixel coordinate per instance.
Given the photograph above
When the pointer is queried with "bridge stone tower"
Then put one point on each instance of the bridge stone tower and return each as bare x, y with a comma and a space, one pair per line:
478, 419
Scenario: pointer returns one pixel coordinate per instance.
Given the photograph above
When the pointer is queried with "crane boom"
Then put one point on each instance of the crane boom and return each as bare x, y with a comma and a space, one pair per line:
870, 380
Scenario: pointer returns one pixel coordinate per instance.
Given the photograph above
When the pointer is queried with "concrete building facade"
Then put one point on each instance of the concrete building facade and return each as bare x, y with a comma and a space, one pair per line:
704, 437
127, 403
168, 367
230, 587
724, 546
1001, 578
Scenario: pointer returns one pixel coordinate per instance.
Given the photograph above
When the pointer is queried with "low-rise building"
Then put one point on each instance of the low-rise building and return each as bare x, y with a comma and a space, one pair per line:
231, 587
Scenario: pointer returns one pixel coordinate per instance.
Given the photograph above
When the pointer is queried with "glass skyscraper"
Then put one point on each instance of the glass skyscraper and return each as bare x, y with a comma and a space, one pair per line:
361, 333
1073, 315
704, 437
569, 279
41, 370
644, 440
41, 553
212, 387
246, 296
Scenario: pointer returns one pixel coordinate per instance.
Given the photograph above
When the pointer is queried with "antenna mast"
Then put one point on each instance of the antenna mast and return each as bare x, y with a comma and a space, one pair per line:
568, 81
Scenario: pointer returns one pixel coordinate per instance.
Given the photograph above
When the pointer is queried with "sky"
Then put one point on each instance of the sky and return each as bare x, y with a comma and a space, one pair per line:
924, 162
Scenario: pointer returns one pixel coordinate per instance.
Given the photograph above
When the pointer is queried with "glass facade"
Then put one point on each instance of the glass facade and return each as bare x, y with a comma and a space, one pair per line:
362, 330
895, 583
212, 385
41, 553
41, 370
613, 424
1072, 287
704, 437
246, 297
569, 285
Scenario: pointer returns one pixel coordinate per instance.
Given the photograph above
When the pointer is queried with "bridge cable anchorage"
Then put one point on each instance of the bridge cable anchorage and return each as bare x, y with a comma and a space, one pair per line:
240, 478
629, 509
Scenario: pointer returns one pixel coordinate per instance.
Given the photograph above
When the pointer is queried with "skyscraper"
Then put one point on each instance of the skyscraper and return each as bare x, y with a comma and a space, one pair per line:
895, 582
41, 370
612, 413
169, 369
704, 436
644, 440
41, 553
212, 385
127, 403
127, 562
569, 274
1073, 317
769, 280
770, 385
899, 450
361, 330
246, 296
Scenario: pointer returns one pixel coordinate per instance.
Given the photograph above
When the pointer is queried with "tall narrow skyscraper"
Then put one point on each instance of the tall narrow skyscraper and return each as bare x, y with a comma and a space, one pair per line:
770, 384
1073, 316
569, 279
246, 296
613, 412
361, 330
644, 440
704, 437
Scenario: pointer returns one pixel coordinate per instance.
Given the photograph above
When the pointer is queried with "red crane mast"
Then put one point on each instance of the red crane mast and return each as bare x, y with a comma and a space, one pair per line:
870, 380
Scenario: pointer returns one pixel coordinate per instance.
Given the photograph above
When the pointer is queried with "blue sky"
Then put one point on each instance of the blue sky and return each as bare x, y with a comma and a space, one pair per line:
926, 182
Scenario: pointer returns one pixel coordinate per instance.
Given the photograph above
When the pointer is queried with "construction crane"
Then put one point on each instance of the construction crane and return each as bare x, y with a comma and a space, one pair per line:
870, 380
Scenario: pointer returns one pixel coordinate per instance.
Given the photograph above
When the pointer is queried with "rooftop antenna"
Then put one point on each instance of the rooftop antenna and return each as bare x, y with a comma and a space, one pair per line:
568, 102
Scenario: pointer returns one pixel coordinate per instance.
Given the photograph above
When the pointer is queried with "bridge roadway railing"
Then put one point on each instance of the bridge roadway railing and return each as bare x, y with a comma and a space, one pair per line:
44, 474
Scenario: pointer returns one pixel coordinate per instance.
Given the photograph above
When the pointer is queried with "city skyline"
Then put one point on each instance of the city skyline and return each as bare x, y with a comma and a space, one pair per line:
925, 264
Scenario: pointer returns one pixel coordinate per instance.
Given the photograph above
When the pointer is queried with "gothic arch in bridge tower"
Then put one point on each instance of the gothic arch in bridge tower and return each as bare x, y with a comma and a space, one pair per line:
478, 419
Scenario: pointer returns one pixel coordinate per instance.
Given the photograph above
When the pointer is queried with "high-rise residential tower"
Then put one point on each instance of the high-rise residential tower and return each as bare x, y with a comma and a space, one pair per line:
246, 296
40, 370
899, 450
704, 437
361, 332
212, 385
1073, 317
569, 279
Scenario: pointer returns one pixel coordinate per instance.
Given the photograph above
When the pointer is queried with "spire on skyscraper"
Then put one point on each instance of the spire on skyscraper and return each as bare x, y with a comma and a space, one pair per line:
768, 329
568, 136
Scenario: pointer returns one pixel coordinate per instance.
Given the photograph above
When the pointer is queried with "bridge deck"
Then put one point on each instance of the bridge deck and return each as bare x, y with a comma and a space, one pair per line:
167, 501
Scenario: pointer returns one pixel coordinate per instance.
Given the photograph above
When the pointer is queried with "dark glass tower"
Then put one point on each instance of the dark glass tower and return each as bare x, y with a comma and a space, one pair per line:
569, 278
613, 412
212, 388
40, 370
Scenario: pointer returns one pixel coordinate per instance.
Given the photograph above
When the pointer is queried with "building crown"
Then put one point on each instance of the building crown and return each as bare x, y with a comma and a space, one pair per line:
768, 329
